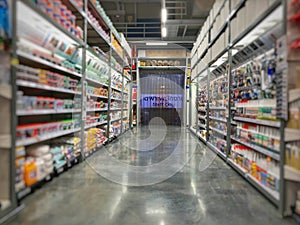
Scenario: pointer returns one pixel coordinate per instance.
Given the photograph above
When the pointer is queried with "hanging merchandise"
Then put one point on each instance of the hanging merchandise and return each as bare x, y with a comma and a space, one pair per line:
5, 30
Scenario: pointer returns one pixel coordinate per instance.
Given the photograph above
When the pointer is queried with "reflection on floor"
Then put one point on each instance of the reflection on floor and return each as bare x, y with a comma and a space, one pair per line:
203, 191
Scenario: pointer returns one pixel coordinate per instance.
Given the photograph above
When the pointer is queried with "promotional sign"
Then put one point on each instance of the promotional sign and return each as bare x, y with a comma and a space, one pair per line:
161, 101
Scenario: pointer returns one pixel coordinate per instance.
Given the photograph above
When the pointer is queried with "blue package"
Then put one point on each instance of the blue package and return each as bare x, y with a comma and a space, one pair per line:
5, 31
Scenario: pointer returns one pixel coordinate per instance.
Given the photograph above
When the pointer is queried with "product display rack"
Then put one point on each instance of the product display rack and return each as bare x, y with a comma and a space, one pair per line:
235, 48
62, 87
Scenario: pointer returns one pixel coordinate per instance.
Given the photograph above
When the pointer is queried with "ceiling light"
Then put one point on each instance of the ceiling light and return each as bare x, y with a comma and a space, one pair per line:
164, 32
164, 15
156, 43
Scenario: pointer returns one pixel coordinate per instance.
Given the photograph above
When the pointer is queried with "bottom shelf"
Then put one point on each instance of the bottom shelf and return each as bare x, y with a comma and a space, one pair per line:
237, 167
223, 156
5, 204
271, 194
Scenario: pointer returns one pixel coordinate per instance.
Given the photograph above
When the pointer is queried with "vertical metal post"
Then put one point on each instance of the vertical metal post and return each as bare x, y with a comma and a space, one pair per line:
83, 83
14, 119
228, 139
138, 92
282, 184
109, 88
207, 104
197, 103
190, 105
130, 107
185, 90
122, 93
228, 68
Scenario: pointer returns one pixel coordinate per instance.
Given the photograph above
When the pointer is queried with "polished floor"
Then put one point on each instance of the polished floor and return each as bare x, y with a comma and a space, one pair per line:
194, 187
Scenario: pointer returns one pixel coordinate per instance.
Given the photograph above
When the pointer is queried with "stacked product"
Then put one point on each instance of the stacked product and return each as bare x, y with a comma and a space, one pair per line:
70, 148
263, 136
115, 115
45, 77
96, 69
94, 138
116, 80
61, 15
218, 101
262, 168
94, 105
160, 63
116, 126
116, 94
202, 118
116, 65
38, 164
20, 161
117, 46
38, 130
96, 118
28, 103
254, 88
115, 104
98, 27
59, 159
101, 92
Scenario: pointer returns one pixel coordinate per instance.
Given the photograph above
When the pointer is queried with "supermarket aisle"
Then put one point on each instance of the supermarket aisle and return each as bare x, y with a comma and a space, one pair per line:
195, 195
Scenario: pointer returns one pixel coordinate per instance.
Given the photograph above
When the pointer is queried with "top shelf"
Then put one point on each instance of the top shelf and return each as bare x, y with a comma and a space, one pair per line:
29, 6
162, 67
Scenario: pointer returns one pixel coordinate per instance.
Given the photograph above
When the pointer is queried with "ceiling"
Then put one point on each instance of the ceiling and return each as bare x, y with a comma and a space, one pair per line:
139, 20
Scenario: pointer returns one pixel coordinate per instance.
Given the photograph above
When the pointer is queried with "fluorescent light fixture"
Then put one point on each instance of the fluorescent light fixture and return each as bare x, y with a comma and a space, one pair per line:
156, 43
164, 15
164, 32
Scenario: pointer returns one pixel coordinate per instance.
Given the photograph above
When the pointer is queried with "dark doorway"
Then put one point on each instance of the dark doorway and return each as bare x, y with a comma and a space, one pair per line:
162, 95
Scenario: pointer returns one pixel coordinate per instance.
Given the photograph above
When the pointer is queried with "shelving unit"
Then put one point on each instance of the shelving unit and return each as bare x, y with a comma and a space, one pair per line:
231, 50
64, 88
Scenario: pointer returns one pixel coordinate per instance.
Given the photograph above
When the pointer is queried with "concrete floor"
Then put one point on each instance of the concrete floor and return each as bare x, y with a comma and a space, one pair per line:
205, 191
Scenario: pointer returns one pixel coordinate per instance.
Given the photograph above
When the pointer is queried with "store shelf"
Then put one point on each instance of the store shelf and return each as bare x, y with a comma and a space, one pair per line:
291, 134
218, 131
271, 194
46, 111
117, 89
5, 91
115, 109
218, 119
95, 124
97, 110
237, 167
95, 82
39, 62
116, 99
262, 150
202, 117
93, 8
91, 25
45, 17
202, 125
97, 96
217, 108
162, 67
114, 120
269, 123
34, 140
117, 56
294, 95
217, 151
23, 83
291, 173
201, 138
5, 141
